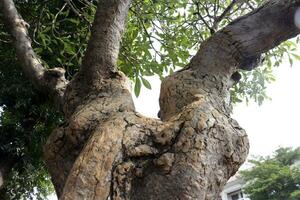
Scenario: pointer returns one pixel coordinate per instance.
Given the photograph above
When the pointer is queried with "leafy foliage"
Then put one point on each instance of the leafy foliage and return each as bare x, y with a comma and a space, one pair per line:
25, 122
276, 177
161, 36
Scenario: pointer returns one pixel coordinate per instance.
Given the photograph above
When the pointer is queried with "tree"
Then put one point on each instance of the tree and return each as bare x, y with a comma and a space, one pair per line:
104, 148
274, 178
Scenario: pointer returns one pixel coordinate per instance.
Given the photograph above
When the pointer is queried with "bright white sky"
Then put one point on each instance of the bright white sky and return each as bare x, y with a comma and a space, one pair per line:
275, 123
269, 126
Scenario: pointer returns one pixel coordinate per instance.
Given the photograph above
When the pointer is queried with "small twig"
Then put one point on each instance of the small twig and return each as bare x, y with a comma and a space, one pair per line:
147, 33
202, 19
250, 6
75, 10
225, 12
36, 30
55, 18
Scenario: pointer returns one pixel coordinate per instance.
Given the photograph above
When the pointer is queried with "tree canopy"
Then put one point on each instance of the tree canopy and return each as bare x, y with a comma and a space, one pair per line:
160, 37
274, 177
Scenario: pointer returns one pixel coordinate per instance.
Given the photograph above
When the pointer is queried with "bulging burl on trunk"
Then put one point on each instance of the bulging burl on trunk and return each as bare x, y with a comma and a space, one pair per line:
120, 154
107, 150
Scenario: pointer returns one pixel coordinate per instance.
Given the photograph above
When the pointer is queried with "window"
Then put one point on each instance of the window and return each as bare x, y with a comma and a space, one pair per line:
236, 195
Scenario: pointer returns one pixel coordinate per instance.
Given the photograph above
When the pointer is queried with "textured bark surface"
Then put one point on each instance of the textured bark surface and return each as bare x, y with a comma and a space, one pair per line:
50, 82
105, 150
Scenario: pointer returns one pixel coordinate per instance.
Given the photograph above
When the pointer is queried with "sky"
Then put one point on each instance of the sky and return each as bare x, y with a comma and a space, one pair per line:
269, 126
276, 122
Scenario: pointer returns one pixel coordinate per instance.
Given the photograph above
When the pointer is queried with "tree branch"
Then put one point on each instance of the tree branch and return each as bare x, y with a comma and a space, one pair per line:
246, 38
238, 45
103, 47
225, 12
75, 10
48, 81
202, 19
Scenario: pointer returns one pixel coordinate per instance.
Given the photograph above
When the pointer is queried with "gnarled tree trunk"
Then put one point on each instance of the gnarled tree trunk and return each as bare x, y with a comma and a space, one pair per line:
106, 150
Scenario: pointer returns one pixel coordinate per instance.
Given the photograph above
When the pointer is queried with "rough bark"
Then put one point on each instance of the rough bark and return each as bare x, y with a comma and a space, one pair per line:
49, 81
95, 94
103, 47
105, 150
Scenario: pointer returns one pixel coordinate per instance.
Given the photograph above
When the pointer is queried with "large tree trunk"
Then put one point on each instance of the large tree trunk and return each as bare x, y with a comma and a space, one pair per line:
105, 150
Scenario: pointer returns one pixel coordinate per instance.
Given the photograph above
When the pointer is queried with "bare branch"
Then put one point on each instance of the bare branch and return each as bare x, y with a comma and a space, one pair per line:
202, 19
75, 10
50, 81
103, 48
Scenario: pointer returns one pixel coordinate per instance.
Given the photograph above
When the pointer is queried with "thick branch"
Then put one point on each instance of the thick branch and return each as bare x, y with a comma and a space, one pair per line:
103, 48
47, 81
265, 28
238, 45
255, 33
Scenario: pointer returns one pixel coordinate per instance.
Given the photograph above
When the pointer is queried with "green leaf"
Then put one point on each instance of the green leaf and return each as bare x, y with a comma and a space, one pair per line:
146, 83
295, 56
75, 21
137, 87
69, 48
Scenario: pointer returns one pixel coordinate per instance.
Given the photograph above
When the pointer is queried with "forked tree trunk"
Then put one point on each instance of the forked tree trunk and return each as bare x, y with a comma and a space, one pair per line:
189, 155
106, 150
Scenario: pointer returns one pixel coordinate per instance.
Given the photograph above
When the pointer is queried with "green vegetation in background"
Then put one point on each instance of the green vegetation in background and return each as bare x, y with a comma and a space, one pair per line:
274, 177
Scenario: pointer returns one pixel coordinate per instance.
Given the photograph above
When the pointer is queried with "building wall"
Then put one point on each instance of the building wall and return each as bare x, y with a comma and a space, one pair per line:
234, 186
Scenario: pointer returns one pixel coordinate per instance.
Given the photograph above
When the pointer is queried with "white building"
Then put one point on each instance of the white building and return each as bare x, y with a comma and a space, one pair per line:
233, 190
